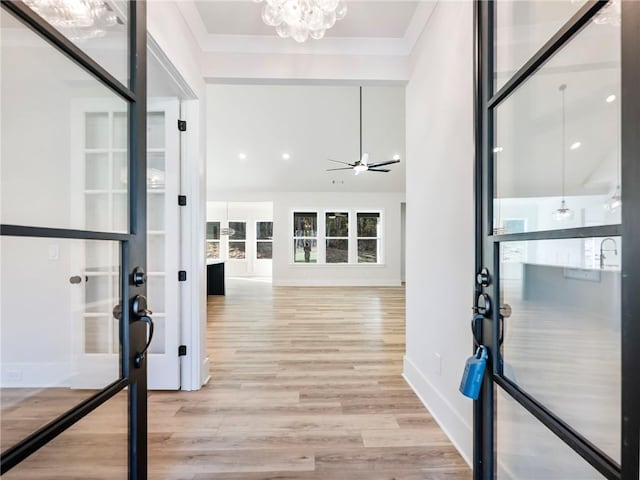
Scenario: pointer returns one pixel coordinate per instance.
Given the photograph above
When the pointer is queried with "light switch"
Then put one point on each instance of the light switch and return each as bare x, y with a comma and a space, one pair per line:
54, 252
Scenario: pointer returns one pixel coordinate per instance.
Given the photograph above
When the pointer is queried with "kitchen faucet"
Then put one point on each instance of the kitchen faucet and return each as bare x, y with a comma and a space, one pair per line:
602, 250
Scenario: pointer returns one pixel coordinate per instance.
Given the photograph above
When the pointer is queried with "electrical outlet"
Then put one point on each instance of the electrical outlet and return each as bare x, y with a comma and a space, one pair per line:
437, 364
13, 375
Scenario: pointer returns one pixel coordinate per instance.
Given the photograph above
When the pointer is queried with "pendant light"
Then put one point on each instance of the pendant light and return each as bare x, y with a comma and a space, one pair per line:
563, 213
615, 202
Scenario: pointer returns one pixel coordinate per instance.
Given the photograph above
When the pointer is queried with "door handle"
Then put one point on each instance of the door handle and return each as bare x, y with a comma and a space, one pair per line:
142, 314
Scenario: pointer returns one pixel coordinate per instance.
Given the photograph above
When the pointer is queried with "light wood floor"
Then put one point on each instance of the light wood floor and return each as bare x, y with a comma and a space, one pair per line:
306, 384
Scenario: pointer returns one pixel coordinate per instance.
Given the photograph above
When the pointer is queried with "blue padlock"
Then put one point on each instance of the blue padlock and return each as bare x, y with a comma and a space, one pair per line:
474, 373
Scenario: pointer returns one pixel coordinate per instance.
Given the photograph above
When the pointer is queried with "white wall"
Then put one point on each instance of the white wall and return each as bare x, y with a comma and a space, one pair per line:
440, 224
285, 273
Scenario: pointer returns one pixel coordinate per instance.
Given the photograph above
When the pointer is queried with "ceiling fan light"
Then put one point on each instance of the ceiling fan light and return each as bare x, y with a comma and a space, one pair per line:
360, 168
615, 201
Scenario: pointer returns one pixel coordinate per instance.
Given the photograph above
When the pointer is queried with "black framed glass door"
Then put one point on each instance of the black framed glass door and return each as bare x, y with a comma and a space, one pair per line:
75, 325
557, 170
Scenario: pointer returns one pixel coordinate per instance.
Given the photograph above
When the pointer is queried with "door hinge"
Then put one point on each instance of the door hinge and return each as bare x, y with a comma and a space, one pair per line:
182, 351
182, 200
182, 125
182, 275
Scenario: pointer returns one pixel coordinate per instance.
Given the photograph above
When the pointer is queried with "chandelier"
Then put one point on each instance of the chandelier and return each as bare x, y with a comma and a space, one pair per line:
77, 19
301, 19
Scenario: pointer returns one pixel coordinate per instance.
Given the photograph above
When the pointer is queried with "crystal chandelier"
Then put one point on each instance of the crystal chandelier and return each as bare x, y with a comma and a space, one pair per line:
77, 19
301, 19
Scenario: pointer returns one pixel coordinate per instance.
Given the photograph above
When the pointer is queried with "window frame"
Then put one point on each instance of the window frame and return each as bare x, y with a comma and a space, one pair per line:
230, 240
295, 238
257, 240
379, 237
326, 237
218, 241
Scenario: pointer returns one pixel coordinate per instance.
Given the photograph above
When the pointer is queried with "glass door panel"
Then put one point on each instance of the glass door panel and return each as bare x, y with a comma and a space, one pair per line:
527, 450
60, 341
557, 138
562, 340
54, 152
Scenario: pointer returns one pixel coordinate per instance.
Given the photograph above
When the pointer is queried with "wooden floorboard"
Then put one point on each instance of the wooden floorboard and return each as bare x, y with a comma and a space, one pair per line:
305, 385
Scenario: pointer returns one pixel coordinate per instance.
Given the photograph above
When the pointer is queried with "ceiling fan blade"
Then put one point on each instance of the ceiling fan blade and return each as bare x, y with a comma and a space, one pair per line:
344, 163
334, 169
378, 170
374, 165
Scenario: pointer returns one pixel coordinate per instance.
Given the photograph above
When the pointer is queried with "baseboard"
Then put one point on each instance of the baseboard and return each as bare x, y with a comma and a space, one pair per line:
336, 282
204, 371
448, 418
36, 375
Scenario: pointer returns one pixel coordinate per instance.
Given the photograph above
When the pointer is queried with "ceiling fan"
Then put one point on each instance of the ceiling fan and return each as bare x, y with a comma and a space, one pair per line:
363, 164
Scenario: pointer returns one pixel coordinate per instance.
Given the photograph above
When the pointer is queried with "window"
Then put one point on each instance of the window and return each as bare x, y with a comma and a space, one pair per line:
305, 237
237, 240
369, 237
264, 240
213, 240
337, 237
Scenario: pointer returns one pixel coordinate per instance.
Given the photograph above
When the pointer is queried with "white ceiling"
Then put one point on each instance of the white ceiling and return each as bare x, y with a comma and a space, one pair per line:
312, 124
377, 19
371, 27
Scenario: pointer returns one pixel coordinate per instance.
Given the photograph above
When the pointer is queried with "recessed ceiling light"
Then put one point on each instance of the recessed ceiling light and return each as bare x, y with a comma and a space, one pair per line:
396, 157
242, 156
611, 98
286, 156
498, 149
575, 145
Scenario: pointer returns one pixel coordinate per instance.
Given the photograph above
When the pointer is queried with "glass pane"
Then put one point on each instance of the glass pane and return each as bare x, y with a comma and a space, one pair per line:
337, 224
264, 250
57, 344
264, 230
305, 224
213, 250
120, 171
159, 336
367, 251
155, 253
56, 138
155, 171
97, 171
94, 448
120, 134
557, 141
305, 250
237, 250
156, 293
237, 230
523, 27
368, 224
155, 212
213, 230
562, 341
337, 251
527, 450
155, 130
97, 27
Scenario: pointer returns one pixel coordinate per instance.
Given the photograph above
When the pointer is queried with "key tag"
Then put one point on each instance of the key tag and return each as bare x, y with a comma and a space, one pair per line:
474, 373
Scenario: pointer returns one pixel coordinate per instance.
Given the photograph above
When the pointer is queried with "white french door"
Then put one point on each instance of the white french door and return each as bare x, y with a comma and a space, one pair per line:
99, 142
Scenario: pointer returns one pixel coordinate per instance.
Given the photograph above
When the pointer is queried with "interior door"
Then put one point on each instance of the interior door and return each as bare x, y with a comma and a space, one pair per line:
99, 177
163, 181
55, 312
557, 172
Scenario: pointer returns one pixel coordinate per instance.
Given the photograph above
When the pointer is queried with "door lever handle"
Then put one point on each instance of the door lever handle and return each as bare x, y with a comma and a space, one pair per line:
142, 314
